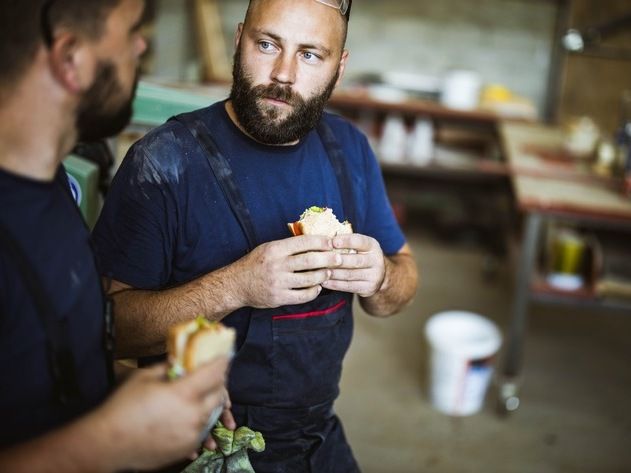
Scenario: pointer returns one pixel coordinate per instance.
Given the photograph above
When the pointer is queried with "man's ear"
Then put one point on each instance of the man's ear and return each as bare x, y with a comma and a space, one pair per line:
341, 67
237, 35
71, 62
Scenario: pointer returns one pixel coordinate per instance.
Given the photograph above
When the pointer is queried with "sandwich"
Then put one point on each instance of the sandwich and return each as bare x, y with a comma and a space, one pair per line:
319, 221
191, 344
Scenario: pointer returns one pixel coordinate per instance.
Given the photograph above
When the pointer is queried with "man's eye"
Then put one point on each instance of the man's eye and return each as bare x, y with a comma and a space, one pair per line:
310, 57
265, 46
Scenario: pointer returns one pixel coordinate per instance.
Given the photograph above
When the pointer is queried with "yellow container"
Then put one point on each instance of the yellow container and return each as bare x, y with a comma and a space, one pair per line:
568, 250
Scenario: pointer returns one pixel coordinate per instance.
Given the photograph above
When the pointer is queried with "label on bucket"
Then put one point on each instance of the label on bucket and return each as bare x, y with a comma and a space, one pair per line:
459, 385
473, 389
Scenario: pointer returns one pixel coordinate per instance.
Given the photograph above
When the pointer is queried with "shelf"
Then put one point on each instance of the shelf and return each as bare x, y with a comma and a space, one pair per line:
465, 184
541, 288
585, 297
363, 101
582, 303
478, 168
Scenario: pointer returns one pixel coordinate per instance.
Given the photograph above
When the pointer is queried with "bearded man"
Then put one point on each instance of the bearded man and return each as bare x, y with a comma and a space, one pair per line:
196, 223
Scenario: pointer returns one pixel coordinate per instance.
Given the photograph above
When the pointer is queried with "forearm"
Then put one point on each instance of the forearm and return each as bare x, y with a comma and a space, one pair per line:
398, 287
143, 317
84, 445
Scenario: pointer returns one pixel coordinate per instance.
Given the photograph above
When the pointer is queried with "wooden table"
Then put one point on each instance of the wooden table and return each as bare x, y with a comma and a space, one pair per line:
549, 185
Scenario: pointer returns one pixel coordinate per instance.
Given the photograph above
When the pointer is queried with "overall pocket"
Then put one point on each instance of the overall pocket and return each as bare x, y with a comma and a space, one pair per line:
309, 344
250, 378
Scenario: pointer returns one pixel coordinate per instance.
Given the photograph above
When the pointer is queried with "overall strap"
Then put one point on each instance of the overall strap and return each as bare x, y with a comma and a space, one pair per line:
61, 360
223, 174
342, 173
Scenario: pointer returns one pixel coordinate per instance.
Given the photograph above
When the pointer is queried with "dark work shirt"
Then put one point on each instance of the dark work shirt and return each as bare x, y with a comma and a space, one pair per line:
44, 220
166, 220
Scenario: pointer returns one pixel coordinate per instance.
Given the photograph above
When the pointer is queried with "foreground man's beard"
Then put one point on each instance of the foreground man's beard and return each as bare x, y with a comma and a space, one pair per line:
262, 122
95, 118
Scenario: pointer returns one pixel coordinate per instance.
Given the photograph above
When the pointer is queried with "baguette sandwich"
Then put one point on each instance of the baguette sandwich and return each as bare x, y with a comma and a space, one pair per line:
190, 344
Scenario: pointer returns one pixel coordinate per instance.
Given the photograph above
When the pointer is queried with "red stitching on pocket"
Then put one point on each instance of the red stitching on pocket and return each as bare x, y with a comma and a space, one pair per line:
315, 313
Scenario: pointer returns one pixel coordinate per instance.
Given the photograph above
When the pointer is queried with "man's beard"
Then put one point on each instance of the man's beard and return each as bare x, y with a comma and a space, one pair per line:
262, 122
95, 117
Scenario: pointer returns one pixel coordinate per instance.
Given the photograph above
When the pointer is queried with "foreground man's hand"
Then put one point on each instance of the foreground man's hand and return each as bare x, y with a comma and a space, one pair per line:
159, 421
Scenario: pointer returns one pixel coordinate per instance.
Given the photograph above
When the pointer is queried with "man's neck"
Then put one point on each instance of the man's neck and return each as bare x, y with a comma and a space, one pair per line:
36, 129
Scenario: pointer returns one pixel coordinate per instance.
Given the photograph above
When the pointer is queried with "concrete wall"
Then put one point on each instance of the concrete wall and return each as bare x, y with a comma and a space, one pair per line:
506, 41
173, 42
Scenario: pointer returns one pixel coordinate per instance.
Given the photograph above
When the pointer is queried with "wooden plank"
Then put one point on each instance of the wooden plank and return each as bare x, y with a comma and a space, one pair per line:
210, 41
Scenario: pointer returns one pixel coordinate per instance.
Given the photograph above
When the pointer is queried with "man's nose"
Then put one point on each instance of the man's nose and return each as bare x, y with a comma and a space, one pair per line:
284, 71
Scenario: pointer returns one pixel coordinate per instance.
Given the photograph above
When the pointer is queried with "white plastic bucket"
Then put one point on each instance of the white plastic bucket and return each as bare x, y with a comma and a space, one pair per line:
463, 346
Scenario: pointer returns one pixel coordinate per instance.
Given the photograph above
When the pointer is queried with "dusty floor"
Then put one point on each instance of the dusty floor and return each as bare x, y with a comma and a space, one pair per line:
575, 414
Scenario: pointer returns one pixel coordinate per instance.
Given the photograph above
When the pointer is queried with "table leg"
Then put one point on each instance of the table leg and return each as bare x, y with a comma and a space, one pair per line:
508, 395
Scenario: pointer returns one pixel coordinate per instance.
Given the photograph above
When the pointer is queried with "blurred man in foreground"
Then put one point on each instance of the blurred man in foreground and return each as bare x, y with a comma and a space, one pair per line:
68, 72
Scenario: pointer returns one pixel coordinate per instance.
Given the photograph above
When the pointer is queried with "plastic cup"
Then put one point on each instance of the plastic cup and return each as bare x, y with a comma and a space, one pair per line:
463, 345
567, 258
567, 250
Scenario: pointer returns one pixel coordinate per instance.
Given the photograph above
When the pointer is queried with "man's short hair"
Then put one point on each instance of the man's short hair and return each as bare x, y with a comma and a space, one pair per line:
25, 23
347, 17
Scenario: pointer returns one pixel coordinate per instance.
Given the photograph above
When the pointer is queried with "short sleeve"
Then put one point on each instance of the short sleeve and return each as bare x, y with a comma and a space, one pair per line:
380, 221
134, 237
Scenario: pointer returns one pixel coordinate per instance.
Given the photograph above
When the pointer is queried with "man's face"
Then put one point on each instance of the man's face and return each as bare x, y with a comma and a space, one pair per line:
106, 107
288, 60
270, 124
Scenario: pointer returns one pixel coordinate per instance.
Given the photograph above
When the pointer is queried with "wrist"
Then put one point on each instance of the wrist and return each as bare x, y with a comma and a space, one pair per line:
116, 442
227, 289
385, 281
97, 431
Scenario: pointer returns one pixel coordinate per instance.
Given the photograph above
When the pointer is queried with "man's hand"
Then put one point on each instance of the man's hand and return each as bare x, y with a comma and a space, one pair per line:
154, 421
360, 273
276, 273
283, 272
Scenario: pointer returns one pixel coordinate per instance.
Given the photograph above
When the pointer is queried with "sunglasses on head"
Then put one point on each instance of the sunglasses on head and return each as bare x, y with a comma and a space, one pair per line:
342, 5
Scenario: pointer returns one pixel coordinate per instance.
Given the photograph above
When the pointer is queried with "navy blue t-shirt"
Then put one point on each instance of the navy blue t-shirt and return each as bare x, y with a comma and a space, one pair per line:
166, 220
44, 220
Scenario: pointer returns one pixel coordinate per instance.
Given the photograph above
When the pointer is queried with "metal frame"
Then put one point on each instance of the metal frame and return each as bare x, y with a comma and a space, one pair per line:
508, 379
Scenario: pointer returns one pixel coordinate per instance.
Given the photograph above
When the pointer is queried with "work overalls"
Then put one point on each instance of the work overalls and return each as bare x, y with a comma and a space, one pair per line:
284, 377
